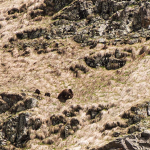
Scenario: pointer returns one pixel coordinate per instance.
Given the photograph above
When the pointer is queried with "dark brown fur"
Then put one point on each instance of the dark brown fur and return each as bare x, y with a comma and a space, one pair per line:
47, 94
37, 91
65, 94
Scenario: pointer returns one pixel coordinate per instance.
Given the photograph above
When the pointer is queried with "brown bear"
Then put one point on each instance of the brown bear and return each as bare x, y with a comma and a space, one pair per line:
65, 94
47, 94
37, 91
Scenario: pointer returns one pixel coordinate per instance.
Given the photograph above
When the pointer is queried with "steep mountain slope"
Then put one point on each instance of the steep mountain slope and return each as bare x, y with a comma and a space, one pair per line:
99, 49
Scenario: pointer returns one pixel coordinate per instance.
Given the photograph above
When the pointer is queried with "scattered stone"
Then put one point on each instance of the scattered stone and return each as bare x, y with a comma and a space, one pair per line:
109, 126
69, 128
74, 122
23, 94
72, 111
115, 64
145, 49
31, 34
77, 67
76, 108
93, 44
57, 119
13, 10
37, 124
133, 129
116, 134
48, 141
136, 113
146, 134
36, 13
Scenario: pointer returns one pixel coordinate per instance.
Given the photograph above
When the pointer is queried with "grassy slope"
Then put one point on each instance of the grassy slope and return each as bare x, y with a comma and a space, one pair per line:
98, 86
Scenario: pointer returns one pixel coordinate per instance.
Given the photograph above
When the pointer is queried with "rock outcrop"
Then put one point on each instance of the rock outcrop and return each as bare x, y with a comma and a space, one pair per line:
123, 22
134, 141
8, 100
109, 60
139, 134
24, 105
60, 44
16, 103
16, 129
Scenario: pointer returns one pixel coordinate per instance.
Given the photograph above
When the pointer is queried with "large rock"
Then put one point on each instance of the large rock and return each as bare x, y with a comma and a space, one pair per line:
11, 99
68, 129
130, 142
76, 11
30, 103
8, 100
136, 113
115, 63
106, 60
16, 129
24, 105
16, 103
3, 141
31, 33
57, 119
142, 18
108, 7
56, 5
3, 106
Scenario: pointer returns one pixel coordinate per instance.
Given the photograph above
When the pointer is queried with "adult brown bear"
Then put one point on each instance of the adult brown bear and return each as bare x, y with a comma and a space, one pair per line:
65, 94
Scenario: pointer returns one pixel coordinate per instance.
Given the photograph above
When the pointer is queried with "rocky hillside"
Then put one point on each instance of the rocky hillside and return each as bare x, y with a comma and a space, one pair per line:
98, 51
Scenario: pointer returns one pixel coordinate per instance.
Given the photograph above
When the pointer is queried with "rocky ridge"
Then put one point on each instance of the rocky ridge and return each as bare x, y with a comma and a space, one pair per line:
98, 48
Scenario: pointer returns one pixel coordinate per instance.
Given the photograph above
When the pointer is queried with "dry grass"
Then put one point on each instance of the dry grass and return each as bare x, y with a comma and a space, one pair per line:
50, 72
98, 86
